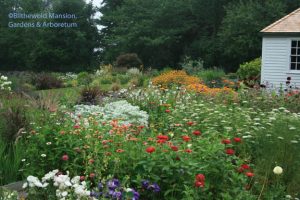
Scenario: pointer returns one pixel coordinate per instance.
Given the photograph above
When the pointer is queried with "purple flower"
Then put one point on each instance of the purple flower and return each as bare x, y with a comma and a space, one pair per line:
100, 186
154, 187
95, 194
145, 184
117, 195
113, 184
136, 195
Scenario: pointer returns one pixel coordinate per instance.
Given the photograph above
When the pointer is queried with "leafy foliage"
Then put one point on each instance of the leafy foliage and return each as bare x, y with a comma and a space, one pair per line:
250, 71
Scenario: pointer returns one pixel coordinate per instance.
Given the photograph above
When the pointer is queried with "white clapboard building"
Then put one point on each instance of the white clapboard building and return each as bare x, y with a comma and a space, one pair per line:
281, 52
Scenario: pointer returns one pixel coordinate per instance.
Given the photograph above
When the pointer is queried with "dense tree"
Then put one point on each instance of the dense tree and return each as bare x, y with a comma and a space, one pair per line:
56, 49
223, 33
240, 38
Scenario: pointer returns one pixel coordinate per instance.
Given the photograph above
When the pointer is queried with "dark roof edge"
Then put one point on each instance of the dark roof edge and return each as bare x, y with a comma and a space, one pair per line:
280, 34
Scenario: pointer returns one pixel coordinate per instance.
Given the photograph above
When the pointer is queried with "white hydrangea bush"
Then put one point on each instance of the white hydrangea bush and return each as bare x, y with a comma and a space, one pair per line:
4, 83
122, 111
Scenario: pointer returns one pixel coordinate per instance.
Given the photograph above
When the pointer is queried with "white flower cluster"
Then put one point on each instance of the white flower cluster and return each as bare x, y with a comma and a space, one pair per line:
134, 72
121, 110
64, 184
4, 84
69, 76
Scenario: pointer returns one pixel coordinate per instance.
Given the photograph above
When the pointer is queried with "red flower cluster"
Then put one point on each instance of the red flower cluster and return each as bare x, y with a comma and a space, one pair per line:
150, 150
229, 151
228, 141
200, 180
196, 132
174, 148
162, 139
186, 138
190, 123
246, 169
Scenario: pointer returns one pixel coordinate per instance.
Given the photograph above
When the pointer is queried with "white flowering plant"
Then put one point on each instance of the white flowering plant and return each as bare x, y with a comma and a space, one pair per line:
5, 85
57, 186
123, 111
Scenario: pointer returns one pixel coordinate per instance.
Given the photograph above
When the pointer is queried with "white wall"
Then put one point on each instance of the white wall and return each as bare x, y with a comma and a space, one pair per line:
276, 62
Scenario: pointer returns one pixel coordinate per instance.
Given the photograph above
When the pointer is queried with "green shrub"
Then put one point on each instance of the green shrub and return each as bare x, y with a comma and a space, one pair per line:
124, 79
192, 66
84, 78
211, 77
250, 71
107, 80
128, 60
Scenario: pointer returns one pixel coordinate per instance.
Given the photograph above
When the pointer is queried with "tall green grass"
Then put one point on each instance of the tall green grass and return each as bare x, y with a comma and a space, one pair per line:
210, 75
10, 162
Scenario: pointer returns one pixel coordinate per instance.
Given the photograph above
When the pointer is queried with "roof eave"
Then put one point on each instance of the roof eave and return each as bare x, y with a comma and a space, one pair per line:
280, 33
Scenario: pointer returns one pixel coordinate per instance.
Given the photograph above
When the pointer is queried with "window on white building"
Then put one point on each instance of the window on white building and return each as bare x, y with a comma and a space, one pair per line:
295, 55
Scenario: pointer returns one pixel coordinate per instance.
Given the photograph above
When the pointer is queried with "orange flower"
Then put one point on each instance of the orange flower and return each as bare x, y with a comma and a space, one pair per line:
174, 77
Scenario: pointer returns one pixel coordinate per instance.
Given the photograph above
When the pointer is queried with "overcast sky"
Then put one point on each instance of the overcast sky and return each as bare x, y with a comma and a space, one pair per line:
95, 2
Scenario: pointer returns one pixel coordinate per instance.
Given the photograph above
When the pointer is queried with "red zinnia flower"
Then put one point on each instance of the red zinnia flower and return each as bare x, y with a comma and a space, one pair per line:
92, 175
188, 150
226, 141
237, 139
65, 157
150, 149
161, 141
196, 132
186, 138
167, 111
230, 151
141, 127
199, 184
174, 148
190, 123
76, 126
245, 166
200, 177
82, 178
162, 137
249, 174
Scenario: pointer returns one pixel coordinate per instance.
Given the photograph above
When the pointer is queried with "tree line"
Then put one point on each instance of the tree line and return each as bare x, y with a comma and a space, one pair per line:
223, 33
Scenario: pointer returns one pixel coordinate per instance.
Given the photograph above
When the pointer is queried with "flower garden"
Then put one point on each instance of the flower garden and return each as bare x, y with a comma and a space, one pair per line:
150, 136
